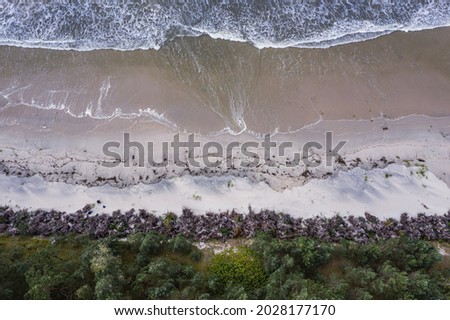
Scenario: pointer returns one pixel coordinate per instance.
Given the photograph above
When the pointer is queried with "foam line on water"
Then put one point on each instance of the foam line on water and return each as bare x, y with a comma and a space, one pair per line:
124, 25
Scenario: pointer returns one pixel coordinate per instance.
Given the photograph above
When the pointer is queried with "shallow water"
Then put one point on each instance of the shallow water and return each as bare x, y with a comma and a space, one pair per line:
205, 85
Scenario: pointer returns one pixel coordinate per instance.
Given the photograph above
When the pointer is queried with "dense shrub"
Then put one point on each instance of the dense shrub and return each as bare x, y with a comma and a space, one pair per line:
152, 266
239, 268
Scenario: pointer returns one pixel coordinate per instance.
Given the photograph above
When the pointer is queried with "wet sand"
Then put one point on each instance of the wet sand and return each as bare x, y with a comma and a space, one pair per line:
204, 85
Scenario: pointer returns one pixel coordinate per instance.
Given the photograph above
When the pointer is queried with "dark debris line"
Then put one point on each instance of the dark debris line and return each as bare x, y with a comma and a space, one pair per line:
223, 226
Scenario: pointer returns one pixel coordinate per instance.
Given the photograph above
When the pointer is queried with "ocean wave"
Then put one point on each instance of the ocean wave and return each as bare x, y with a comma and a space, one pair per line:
149, 24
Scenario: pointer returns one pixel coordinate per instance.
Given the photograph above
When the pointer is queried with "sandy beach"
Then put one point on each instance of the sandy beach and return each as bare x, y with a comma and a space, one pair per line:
387, 98
403, 168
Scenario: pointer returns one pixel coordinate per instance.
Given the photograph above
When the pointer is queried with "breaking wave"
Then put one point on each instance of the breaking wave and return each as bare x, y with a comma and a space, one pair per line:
149, 24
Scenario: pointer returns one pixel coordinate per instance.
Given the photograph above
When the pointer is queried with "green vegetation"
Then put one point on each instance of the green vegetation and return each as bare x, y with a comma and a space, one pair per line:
422, 169
152, 266
196, 197
239, 267
169, 219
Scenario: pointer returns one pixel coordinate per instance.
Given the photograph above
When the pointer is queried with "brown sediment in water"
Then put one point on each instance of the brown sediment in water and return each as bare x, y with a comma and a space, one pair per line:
203, 85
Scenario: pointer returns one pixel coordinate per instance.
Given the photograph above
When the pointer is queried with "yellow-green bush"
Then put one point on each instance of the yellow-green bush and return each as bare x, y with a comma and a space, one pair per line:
239, 267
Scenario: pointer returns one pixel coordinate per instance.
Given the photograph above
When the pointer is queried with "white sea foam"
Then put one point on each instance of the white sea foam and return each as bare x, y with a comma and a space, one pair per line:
124, 25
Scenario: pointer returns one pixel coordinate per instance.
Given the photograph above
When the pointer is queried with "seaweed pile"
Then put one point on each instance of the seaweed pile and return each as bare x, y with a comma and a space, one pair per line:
224, 225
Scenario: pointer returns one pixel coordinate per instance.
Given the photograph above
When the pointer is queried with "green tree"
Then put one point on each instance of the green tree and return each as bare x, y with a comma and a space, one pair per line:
425, 286
391, 283
359, 279
44, 280
181, 245
410, 255
166, 279
153, 244
108, 275
301, 254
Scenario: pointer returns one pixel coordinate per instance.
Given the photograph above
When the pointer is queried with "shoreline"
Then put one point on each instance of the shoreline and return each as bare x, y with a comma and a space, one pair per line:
206, 86
215, 36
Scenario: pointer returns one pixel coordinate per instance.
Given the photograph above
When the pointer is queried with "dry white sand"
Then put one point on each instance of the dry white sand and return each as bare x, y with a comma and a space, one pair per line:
392, 166
384, 192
